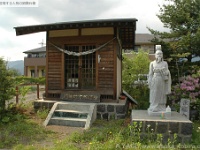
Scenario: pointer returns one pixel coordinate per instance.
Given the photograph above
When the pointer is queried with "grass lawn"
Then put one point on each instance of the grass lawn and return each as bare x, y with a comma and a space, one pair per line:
23, 130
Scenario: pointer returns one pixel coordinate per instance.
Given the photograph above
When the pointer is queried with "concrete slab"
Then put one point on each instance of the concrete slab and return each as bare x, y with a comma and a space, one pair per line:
143, 115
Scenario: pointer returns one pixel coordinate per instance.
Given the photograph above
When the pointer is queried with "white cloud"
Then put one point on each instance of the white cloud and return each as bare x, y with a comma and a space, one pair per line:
26, 21
12, 46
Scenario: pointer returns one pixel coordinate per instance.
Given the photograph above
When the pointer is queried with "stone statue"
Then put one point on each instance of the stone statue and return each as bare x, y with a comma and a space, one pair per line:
159, 82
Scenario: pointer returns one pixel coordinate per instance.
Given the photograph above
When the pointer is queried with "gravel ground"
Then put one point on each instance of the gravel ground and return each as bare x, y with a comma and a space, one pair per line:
31, 96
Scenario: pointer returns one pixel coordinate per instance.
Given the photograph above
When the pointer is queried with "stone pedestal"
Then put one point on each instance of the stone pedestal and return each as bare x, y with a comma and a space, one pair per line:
176, 124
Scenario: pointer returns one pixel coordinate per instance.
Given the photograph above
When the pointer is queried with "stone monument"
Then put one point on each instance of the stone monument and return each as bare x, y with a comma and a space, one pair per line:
159, 82
185, 107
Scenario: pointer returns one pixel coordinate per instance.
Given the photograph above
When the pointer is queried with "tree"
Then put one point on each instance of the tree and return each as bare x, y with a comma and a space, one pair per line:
133, 67
182, 17
6, 85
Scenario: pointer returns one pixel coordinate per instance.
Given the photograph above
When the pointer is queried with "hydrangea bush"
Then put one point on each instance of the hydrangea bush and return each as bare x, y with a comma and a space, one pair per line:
189, 87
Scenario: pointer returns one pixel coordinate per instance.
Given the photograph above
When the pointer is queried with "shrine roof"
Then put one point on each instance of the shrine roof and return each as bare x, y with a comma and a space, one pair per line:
123, 22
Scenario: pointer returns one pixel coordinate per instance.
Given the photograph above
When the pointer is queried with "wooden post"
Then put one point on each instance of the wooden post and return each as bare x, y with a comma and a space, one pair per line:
38, 91
17, 95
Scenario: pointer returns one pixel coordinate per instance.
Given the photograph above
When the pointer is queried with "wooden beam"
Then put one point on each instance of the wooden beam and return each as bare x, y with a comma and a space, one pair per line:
115, 69
47, 64
63, 69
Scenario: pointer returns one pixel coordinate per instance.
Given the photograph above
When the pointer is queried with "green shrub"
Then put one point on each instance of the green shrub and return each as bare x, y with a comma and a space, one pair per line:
42, 113
133, 68
30, 80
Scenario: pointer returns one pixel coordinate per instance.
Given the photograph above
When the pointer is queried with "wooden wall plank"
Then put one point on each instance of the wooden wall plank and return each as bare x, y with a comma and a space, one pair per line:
105, 70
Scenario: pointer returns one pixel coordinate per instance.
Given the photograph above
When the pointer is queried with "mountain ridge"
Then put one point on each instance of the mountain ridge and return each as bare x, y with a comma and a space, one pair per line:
18, 65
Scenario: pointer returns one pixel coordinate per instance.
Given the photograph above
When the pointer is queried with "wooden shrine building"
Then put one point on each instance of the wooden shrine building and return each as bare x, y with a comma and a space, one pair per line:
85, 56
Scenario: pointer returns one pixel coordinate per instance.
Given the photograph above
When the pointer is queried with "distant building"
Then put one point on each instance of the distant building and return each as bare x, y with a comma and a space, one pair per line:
35, 62
143, 41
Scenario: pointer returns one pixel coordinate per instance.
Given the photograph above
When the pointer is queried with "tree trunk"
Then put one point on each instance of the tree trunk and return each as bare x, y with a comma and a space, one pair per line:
2, 106
189, 58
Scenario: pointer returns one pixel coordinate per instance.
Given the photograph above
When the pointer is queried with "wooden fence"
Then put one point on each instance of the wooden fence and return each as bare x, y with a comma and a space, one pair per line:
17, 91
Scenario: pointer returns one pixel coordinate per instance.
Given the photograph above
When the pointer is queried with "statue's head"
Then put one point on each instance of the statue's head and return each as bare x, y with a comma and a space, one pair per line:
159, 53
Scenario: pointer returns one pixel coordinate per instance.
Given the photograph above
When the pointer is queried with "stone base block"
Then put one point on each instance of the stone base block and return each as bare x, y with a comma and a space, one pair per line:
176, 124
111, 111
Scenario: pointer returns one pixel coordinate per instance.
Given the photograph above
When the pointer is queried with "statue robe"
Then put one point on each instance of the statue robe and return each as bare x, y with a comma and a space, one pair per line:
160, 85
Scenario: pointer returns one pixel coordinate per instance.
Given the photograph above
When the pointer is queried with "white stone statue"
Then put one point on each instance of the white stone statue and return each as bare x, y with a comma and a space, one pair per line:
159, 82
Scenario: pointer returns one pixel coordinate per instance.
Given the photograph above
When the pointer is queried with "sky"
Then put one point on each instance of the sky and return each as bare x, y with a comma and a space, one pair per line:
52, 11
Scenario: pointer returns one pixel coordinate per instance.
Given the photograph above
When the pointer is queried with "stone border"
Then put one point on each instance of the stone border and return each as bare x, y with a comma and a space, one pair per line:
110, 111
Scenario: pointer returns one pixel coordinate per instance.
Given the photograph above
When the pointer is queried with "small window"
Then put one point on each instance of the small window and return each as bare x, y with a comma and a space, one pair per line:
136, 48
32, 73
43, 72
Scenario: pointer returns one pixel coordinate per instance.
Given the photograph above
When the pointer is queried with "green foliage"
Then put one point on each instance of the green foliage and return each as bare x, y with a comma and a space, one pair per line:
15, 72
42, 113
20, 131
12, 113
183, 20
196, 133
183, 39
132, 69
30, 80
23, 91
117, 135
7, 85
114, 134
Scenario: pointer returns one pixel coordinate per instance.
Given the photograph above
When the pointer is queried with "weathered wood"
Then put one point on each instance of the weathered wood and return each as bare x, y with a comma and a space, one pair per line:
103, 86
104, 72
114, 70
62, 71
107, 65
105, 78
107, 82
105, 92
54, 68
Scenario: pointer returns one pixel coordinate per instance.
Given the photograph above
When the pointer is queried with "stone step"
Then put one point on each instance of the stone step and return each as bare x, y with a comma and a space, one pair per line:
72, 114
63, 121
75, 106
72, 111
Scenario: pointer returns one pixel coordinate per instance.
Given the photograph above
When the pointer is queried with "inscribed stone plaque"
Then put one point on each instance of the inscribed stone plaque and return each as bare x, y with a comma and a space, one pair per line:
185, 108
80, 96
